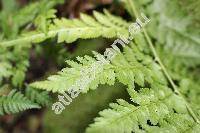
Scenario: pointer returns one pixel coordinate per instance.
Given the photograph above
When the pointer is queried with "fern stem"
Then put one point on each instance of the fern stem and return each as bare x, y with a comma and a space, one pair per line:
191, 112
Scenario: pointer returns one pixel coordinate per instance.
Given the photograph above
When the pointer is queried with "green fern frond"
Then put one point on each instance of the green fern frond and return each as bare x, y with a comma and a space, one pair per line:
23, 16
17, 71
86, 69
128, 68
174, 31
70, 30
29, 12
174, 122
19, 53
15, 102
153, 110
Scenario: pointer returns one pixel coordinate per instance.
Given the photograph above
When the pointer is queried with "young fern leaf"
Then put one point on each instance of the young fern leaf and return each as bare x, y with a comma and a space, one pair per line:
70, 30
15, 102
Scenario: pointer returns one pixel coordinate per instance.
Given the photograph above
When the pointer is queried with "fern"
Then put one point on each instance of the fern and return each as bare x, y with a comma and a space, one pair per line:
144, 72
71, 30
126, 68
174, 31
19, 54
161, 78
191, 91
38, 97
15, 102
153, 110
23, 16
9, 68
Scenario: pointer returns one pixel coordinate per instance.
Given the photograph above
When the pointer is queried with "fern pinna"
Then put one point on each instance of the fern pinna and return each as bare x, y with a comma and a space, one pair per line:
159, 67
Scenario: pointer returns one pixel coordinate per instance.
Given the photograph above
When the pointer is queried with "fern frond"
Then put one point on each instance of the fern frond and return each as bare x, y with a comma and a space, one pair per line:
174, 31
19, 53
70, 30
128, 68
176, 123
29, 12
16, 72
23, 16
183, 46
15, 102
87, 70
152, 110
